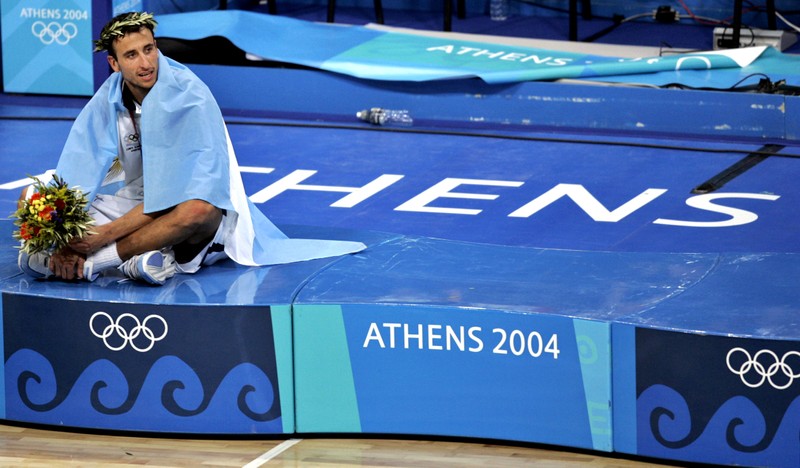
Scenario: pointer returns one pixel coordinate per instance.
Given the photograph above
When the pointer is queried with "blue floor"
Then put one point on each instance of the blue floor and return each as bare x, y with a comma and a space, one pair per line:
626, 202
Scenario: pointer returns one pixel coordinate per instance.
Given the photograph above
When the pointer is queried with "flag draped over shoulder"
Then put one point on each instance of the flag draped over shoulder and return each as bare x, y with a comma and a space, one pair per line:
186, 155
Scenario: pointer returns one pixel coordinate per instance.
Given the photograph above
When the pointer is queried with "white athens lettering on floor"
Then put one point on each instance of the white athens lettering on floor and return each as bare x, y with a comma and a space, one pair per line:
705, 202
447, 188
424, 202
587, 202
443, 189
293, 182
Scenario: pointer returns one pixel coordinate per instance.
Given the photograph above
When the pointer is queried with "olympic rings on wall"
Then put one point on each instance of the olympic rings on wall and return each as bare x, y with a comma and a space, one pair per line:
109, 327
761, 367
54, 32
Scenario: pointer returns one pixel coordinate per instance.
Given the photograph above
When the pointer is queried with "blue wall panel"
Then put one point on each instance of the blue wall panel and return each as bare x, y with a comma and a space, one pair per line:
453, 371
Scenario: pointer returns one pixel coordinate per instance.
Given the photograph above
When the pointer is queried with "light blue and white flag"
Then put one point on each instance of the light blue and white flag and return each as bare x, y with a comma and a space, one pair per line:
186, 155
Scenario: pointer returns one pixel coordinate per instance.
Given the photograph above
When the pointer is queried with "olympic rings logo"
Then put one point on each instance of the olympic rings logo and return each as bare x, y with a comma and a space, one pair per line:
111, 331
54, 32
764, 365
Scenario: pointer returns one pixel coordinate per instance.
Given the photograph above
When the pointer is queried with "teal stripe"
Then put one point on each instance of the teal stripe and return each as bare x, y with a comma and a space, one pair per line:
625, 430
325, 390
594, 341
282, 335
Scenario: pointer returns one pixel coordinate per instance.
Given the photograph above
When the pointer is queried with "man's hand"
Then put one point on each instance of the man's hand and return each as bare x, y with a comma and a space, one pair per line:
67, 264
91, 243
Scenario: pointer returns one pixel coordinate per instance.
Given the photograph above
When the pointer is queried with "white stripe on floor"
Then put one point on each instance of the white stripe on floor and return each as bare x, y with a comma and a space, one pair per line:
274, 452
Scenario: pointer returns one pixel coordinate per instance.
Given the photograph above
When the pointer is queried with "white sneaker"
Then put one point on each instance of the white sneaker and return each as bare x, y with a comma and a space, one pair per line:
154, 267
36, 265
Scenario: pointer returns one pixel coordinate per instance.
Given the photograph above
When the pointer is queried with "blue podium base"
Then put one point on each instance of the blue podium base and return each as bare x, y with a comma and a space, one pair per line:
646, 353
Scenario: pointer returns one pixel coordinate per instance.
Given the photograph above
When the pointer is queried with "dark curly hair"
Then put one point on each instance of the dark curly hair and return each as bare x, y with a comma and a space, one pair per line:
121, 25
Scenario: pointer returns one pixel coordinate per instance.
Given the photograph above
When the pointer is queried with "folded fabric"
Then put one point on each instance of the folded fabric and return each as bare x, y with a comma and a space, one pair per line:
397, 56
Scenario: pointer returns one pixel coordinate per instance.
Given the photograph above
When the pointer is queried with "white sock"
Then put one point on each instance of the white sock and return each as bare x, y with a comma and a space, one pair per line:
105, 258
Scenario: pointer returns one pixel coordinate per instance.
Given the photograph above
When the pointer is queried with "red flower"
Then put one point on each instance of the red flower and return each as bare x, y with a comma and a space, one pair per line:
45, 213
60, 204
26, 233
36, 196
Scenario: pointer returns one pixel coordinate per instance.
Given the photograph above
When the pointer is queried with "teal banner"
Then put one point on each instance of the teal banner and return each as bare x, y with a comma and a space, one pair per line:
388, 55
396, 56
47, 46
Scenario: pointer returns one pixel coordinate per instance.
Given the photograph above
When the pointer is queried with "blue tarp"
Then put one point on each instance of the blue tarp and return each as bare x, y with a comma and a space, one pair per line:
386, 55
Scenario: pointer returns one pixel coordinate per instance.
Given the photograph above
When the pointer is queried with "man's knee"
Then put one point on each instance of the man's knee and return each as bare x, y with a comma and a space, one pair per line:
199, 216
200, 209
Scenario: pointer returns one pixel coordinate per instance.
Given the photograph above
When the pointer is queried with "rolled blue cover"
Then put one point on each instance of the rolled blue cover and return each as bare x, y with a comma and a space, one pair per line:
187, 154
388, 55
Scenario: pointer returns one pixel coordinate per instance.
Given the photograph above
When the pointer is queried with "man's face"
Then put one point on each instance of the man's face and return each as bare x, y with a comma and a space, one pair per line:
137, 60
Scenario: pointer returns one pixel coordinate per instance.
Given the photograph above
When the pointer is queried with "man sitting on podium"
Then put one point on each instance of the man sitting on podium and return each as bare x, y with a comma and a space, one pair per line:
152, 150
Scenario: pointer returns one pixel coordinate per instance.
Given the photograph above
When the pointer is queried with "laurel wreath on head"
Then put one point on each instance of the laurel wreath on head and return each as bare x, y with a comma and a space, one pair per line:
125, 24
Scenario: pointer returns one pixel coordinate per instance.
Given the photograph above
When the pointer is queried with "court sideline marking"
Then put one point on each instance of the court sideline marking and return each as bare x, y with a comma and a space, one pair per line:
272, 453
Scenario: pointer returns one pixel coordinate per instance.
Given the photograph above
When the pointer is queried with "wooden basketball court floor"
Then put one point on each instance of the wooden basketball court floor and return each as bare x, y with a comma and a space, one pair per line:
25, 446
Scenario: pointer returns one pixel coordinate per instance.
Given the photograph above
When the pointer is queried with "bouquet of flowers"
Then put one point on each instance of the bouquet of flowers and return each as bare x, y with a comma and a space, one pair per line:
51, 217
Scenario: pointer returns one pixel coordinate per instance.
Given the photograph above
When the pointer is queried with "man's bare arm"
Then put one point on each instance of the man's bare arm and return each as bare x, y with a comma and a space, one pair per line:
108, 233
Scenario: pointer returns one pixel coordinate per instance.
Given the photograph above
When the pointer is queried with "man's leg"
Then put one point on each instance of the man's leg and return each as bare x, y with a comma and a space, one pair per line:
185, 229
187, 225
191, 223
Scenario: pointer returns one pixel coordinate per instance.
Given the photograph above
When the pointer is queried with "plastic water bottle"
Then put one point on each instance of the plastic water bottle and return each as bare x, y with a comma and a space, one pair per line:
498, 10
379, 116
